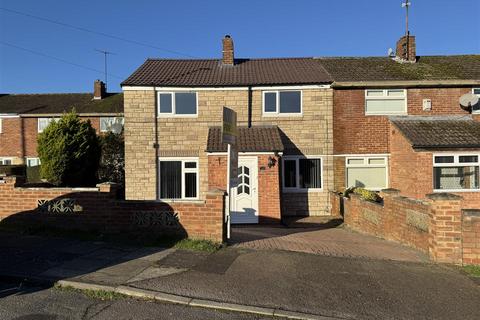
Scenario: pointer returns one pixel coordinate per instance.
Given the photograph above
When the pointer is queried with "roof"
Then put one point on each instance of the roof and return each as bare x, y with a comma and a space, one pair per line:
254, 139
459, 67
58, 103
245, 72
439, 133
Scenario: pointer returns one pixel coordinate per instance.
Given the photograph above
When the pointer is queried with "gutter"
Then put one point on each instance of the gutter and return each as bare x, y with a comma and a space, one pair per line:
51, 115
405, 84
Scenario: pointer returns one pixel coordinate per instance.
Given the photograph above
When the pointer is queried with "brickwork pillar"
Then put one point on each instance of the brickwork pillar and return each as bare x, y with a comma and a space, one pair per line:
445, 227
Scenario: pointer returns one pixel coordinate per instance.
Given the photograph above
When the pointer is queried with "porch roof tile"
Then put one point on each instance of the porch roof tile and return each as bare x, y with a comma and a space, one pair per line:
253, 139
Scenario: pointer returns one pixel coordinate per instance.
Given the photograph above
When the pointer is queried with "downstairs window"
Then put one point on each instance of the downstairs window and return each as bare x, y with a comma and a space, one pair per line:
455, 172
178, 179
302, 174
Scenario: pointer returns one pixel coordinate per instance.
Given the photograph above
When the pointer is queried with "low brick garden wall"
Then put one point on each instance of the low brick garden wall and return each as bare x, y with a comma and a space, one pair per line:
437, 226
98, 209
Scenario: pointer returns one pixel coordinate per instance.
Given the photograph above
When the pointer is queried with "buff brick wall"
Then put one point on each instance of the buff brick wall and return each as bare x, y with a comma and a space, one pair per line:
309, 134
102, 212
412, 171
19, 137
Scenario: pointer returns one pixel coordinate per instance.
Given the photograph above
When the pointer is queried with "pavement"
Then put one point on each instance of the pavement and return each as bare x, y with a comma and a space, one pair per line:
337, 284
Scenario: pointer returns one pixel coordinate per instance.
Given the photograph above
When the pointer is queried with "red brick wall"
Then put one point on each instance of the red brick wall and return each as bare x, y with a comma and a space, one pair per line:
268, 184
13, 143
102, 212
356, 133
471, 237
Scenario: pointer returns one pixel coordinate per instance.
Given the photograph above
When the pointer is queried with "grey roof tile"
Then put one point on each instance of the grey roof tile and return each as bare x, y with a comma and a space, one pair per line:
254, 139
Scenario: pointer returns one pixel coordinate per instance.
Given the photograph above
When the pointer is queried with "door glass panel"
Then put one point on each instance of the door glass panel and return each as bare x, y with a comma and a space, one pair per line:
243, 180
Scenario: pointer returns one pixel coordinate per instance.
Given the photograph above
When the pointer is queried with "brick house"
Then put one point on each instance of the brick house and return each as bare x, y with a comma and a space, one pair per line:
24, 116
173, 109
377, 98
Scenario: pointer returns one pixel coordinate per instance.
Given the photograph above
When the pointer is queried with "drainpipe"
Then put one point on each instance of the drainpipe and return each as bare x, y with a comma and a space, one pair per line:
156, 146
249, 106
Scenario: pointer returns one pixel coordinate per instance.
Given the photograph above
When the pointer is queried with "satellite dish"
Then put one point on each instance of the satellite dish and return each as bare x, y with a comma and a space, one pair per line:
468, 101
390, 52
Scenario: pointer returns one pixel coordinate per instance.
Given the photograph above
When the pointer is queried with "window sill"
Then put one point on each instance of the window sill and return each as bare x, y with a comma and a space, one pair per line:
312, 190
386, 114
198, 201
172, 116
281, 115
455, 190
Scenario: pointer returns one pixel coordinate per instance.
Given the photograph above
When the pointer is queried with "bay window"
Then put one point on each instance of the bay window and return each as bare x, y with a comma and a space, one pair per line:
178, 178
302, 173
455, 172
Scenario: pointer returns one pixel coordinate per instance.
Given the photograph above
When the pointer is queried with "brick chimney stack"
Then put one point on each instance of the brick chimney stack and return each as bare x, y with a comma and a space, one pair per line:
228, 57
406, 49
99, 90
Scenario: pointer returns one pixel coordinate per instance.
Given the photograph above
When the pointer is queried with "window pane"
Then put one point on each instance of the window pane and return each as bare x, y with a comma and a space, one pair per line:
476, 91
185, 103
270, 102
467, 159
368, 177
106, 123
290, 174
165, 103
444, 159
190, 185
290, 102
310, 173
355, 161
170, 179
374, 93
190, 165
454, 178
379, 106
376, 161
395, 93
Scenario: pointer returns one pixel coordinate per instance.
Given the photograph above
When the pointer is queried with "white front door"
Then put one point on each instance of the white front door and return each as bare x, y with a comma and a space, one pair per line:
245, 195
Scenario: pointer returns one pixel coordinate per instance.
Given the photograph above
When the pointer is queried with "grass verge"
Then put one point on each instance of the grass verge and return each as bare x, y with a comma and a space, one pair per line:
198, 245
93, 294
473, 271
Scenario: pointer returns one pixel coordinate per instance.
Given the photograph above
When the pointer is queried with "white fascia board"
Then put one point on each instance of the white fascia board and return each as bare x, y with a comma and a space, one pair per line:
299, 87
9, 115
242, 88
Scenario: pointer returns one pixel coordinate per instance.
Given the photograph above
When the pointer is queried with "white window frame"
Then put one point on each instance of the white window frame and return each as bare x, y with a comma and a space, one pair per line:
478, 95
32, 158
277, 113
1, 125
184, 170
2, 159
173, 113
456, 163
50, 121
386, 97
366, 164
297, 174
114, 120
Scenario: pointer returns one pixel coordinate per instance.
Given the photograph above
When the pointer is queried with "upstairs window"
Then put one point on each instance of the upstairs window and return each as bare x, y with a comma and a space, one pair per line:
177, 104
44, 122
282, 102
456, 172
385, 102
476, 108
302, 174
178, 178
106, 123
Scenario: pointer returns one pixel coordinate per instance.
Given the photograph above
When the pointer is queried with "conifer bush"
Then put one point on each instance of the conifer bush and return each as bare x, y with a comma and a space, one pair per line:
69, 150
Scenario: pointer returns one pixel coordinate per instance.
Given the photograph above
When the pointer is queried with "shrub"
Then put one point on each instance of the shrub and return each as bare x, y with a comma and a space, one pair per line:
112, 162
364, 194
69, 150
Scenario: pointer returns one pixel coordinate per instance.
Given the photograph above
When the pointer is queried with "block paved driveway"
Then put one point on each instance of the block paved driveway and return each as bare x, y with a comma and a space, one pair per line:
337, 242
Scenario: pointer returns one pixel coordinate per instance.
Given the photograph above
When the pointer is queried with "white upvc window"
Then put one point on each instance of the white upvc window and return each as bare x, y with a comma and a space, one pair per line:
302, 173
367, 172
385, 101
6, 161
1, 125
456, 172
106, 123
476, 109
178, 178
44, 122
177, 104
284, 102
33, 162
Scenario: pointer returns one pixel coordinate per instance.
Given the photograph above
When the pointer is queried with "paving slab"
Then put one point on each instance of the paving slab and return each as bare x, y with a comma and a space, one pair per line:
155, 272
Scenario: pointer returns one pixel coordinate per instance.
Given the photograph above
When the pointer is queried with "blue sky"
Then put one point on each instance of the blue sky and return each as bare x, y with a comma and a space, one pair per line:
261, 28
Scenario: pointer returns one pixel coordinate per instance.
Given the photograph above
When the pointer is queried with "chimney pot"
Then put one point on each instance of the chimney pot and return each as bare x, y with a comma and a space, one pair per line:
406, 48
228, 52
99, 90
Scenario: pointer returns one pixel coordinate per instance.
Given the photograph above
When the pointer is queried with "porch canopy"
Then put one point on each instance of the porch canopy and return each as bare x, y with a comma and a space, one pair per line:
253, 139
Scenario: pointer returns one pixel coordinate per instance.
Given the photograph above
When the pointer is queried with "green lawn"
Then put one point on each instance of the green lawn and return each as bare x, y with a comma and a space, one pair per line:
472, 270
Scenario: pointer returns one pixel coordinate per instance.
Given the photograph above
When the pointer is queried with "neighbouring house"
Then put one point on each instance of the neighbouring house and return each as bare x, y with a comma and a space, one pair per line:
398, 123
173, 151
24, 116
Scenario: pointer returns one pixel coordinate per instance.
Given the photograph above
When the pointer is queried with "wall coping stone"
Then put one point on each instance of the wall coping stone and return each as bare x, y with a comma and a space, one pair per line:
444, 196
390, 191
59, 189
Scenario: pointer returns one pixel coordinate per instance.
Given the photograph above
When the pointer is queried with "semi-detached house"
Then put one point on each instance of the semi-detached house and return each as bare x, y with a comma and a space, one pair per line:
307, 126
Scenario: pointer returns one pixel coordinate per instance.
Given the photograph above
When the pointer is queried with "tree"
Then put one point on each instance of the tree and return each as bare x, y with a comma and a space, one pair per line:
69, 151
112, 163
